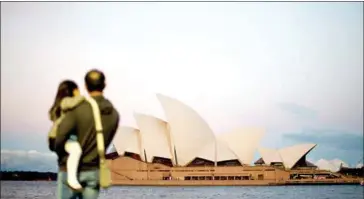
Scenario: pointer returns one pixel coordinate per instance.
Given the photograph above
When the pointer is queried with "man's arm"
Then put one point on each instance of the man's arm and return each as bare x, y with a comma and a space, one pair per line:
65, 128
113, 131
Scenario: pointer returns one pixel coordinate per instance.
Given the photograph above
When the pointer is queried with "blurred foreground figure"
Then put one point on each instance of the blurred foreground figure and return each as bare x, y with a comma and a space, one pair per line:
80, 121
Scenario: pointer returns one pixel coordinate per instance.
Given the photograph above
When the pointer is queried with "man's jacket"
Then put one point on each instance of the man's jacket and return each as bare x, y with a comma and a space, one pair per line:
79, 121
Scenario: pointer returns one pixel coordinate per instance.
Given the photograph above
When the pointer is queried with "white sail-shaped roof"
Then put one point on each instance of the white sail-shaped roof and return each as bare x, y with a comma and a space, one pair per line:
189, 132
330, 165
128, 139
325, 165
290, 155
243, 142
270, 155
155, 136
223, 152
338, 163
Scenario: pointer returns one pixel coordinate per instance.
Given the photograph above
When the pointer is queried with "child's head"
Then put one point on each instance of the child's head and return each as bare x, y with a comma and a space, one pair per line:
66, 88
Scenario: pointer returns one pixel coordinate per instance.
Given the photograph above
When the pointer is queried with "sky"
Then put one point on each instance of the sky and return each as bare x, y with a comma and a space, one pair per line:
295, 69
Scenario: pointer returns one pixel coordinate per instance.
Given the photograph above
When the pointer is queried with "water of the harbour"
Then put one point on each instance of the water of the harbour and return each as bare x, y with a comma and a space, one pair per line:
47, 190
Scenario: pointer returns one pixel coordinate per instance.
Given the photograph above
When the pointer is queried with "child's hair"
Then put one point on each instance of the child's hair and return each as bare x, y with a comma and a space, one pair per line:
65, 89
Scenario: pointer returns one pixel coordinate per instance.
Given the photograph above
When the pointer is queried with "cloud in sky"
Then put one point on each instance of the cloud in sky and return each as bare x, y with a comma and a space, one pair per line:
331, 144
301, 112
330, 138
31, 160
24, 141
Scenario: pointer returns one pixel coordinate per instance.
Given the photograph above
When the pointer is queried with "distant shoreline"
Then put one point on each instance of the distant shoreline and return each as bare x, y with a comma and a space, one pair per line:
27, 176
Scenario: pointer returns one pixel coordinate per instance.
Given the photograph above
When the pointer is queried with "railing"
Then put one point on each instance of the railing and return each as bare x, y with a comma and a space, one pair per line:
117, 173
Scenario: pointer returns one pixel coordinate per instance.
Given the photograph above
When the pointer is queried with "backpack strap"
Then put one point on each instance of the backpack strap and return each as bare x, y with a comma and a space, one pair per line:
98, 126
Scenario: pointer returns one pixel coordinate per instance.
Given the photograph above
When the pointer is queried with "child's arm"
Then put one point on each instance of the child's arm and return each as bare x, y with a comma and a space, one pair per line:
53, 133
66, 127
67, 103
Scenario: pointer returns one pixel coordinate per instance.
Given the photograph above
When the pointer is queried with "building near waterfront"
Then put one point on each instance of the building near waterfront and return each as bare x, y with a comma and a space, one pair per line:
184, 148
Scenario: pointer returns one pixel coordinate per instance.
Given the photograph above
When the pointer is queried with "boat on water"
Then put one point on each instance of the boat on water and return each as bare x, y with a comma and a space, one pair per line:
183, 151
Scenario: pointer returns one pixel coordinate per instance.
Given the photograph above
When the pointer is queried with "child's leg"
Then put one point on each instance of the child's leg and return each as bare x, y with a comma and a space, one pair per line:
74, 150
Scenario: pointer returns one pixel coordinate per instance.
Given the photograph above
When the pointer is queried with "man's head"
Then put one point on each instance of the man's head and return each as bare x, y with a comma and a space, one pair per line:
95, 81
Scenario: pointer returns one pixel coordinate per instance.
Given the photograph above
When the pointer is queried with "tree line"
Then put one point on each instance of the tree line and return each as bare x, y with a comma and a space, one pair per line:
28, 176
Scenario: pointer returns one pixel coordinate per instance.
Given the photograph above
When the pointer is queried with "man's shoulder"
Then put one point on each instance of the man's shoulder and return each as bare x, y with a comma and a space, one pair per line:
105, 105
83, 105
108, 109
82, 108
70, 103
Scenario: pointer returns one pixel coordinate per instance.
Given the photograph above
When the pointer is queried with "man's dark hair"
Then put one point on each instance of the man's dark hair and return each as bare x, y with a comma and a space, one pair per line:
95, 80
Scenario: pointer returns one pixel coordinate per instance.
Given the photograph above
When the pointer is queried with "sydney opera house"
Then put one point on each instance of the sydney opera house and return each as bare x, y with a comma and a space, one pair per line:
185, 151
